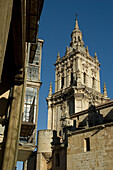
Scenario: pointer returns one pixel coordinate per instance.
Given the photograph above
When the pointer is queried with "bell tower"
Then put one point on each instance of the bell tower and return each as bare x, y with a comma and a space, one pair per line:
77, 81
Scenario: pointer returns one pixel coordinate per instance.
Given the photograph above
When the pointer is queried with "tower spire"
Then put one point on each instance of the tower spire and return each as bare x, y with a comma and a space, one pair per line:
76, 22
95, 56
76, 35
58, 56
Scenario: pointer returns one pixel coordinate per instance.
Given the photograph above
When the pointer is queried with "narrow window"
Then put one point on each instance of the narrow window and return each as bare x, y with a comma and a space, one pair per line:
57, 159
79, 38
84, 78
62, 82
75, 39
93, 81
71, 78
71, 106
86, 144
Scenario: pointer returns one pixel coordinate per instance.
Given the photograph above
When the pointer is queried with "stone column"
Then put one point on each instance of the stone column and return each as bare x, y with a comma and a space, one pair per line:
77, 63
74, 69
69, 80
13, 129
49, 126
56, 80
98, 80
59, 82
53, 119
78, 78
65, 77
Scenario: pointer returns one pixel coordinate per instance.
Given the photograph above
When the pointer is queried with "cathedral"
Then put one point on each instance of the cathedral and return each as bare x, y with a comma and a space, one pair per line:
77, 82
79, 134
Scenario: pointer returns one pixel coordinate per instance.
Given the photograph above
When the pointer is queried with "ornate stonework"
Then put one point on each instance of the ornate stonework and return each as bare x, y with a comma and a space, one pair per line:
77, 82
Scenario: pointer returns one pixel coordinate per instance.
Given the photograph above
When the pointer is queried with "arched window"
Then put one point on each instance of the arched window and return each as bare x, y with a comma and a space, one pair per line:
84, 78
79, 38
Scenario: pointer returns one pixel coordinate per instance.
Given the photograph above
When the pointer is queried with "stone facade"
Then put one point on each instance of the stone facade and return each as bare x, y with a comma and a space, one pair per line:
77, 82
80, 116
89, 145
100, 156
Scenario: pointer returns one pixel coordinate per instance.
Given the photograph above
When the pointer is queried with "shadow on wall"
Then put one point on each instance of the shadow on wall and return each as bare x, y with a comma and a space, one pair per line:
3, 106
95, 118
109, 117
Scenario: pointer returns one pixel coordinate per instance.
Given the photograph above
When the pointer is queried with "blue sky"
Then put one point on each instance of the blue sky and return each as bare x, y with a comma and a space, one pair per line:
57, 21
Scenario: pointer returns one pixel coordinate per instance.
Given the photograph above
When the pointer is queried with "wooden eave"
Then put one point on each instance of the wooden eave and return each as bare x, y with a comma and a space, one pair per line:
27, 129
33, 12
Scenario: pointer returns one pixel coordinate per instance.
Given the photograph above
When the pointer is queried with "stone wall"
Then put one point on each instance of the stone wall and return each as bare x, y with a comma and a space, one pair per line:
59, 158
44, 151
100, 156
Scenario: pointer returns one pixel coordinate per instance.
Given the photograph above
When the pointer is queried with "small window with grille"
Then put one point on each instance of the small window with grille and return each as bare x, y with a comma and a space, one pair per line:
86, 144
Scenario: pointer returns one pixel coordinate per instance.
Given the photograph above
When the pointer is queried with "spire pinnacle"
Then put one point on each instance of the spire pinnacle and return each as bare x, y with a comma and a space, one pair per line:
76, 24
95, 56
67, 50
105, 90
58, 56
87, 51
50, 90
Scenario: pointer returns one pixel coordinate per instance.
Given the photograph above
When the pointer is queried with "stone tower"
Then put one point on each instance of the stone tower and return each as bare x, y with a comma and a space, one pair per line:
77, 82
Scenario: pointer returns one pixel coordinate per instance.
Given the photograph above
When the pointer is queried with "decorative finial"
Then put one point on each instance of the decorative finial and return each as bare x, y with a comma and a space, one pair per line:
87, 48
67, 50
105, 90
95, 56
76, 16
87, 51
58, 56
50, 90
76, 24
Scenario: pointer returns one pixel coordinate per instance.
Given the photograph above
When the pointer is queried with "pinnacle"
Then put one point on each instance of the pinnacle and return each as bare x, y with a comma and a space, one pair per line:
58, 56
76, 24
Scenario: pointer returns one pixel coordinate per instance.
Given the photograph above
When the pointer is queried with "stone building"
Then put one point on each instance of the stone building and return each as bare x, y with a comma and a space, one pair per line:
77, 82
18, 42
27, 140
79, 115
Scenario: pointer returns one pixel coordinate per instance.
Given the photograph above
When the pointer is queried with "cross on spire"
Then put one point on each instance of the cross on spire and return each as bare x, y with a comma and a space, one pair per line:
76, 15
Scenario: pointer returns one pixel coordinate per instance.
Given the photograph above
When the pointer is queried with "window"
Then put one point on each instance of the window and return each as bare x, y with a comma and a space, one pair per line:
93, 81
86, 144
30, 104
57, 159
79, 38
84, 78
62, 83
71, 78
71, 105
75, 39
